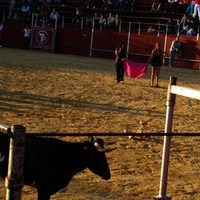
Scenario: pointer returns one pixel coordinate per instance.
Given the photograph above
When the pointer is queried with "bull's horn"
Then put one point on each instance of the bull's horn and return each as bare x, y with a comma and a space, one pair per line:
101, 149
91, 139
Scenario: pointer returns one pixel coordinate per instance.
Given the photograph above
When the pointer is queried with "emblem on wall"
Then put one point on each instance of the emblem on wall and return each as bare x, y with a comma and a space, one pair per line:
43, 38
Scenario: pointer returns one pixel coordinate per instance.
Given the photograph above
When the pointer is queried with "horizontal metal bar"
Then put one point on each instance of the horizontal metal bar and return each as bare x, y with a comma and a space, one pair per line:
141, 54
110, 134
184, 91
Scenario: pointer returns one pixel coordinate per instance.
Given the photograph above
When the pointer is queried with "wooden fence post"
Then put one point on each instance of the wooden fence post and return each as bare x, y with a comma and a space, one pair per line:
14, 180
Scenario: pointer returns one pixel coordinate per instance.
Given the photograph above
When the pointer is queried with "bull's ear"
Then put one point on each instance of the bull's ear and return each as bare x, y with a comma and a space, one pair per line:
91, 139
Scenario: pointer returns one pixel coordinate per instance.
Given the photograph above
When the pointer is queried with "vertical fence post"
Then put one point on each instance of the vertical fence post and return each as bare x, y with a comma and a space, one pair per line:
158, 34
82, 23
92, 38
139, 28
63, 21
120, 26
14, 180
36, 18
171, 98
165, 45
32, 19
198, 33
128, 40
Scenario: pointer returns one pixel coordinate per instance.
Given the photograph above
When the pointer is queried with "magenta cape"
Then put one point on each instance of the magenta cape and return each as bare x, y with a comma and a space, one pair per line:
135, 69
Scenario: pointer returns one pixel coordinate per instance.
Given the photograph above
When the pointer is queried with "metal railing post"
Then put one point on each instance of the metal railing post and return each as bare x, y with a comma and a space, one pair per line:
63, 21
128, 40
92, 38
171, 98
139, 29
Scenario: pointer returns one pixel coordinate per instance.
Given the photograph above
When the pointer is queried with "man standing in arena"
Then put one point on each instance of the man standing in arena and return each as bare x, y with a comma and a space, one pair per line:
175, 49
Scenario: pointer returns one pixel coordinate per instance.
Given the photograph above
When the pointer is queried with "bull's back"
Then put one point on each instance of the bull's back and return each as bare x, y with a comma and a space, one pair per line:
50, 162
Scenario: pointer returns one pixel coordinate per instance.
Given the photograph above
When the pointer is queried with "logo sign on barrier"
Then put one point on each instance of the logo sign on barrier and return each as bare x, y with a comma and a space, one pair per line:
43, 38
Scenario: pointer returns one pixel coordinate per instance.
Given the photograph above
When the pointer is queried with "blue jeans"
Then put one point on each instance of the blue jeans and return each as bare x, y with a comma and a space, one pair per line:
190, 10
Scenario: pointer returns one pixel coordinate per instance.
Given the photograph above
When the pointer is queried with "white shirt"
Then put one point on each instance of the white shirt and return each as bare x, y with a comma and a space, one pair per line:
27, 32
1, 26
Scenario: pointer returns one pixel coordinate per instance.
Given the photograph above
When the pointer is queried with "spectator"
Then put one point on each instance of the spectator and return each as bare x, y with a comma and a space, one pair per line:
102, 22
196, 9
110, 21
171, 26
1, 33
106, 4
191, 27
187, 25
27, 37
109, 4
120, 4
49, 2
191, 31
175, 49
182, 6
88, 20
190, 8
128, 5
120, 53
184, 29
172, 6
156, 6
184, 19
117, 22
95, 19
77, 17
45, 11
57, 2
26, 9
182, 22
54, 16
91, 4
26, 12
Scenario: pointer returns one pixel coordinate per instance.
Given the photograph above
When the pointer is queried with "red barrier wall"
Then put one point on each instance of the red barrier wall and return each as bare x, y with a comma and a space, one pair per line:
72, 40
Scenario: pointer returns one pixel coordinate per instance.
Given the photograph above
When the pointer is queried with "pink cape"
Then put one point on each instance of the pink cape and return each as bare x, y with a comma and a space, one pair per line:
135, 69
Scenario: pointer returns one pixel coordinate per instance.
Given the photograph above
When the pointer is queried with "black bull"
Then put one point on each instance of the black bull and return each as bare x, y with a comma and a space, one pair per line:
50, 163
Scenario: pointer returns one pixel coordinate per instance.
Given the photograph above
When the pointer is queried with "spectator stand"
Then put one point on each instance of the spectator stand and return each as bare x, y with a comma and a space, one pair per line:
4, 9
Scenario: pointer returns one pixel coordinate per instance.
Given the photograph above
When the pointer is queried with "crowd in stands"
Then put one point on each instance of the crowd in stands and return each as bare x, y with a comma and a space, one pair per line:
111, 4
49, 12
190, 11
107, 22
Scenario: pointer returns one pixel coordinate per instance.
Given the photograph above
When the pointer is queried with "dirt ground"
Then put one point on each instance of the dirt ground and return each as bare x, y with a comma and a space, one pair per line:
50, 93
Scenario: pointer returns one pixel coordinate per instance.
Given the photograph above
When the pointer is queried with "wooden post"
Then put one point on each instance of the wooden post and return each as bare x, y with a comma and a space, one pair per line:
14, 180
171, 98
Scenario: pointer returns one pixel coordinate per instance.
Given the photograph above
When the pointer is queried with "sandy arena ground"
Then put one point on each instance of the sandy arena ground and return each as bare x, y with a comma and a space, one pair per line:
72, 94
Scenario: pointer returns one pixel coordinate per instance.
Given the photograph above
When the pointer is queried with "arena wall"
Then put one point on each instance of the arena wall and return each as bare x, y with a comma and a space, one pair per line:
73, 40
